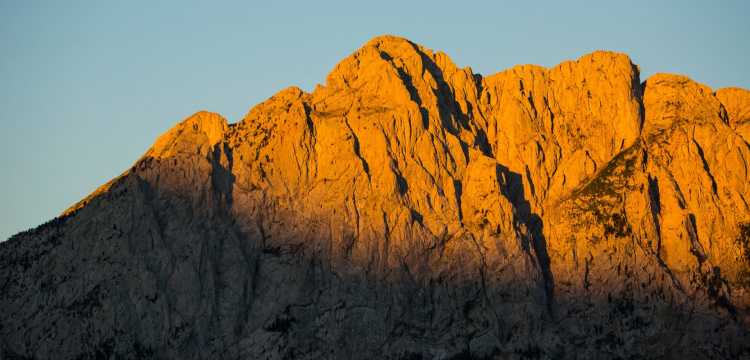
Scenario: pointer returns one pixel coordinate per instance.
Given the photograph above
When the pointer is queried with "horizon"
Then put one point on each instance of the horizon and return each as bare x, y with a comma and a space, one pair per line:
80, 108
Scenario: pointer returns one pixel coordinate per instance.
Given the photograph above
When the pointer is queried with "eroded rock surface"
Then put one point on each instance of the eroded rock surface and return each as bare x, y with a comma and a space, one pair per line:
409, 208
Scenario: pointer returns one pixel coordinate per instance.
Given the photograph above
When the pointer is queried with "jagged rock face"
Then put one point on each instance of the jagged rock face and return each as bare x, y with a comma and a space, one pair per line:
409, 208
558, 127
736, 102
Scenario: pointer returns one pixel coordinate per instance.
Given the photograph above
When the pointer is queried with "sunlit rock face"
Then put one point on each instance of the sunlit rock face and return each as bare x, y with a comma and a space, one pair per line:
409, 209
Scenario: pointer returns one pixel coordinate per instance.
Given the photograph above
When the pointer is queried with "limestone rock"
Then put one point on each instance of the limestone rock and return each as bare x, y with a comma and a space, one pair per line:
736, 101
409, 208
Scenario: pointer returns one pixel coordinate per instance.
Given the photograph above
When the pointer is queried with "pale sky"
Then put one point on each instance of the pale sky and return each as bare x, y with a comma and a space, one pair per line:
87, 86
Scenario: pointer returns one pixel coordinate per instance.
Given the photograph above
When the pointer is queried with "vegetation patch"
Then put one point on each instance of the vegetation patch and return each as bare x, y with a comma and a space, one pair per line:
602, 196
613, 178
743, 241
617, 225
282, 323
715, 285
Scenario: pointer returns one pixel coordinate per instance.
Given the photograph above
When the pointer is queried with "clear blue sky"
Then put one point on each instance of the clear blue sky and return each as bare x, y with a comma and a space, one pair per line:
86, 87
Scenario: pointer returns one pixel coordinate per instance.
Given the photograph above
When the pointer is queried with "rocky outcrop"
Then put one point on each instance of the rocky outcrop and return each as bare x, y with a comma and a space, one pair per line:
409, 208
736, 102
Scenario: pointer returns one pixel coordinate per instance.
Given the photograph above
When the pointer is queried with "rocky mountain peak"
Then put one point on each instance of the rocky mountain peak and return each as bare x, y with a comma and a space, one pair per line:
198, 133
409, 208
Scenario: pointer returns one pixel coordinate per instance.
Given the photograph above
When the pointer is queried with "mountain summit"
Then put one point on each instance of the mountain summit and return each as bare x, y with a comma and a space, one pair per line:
411, 209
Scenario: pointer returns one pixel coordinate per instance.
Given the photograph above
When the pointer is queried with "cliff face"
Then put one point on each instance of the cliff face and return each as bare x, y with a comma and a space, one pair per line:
409, 208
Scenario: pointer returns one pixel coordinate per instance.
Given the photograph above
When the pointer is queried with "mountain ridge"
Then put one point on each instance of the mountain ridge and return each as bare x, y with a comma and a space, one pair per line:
571, 211
734, 95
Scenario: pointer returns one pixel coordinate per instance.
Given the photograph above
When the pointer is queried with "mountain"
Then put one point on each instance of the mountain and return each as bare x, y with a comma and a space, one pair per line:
411, 209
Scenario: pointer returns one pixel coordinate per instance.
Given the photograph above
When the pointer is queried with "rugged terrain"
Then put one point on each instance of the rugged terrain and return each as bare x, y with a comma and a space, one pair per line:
410, 209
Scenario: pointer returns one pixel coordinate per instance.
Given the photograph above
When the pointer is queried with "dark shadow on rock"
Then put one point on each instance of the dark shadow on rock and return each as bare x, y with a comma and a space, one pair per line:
655, 205
413, 93
513, 190
446, 97
222, 178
